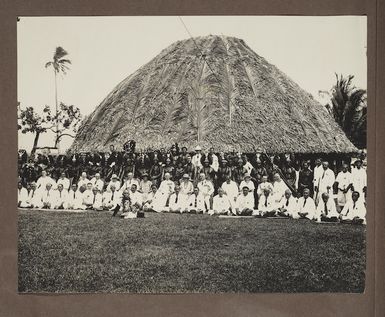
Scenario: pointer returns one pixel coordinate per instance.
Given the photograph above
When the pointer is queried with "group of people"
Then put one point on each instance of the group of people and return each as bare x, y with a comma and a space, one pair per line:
129, 183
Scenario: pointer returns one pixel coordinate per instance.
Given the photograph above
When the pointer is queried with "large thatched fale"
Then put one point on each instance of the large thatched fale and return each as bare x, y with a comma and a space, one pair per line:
216, 92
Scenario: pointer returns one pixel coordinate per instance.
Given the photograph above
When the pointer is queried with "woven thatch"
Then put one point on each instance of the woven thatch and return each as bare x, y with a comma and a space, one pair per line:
178, 97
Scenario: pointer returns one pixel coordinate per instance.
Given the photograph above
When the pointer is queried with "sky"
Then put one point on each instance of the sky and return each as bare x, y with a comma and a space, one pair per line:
105, 50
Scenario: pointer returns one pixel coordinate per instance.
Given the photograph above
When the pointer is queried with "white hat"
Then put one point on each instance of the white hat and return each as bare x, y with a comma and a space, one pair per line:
114, 176
198, 148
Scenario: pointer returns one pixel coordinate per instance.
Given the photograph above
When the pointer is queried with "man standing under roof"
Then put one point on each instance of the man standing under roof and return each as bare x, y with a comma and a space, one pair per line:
325, 182
196, 160
344, 186
359, 179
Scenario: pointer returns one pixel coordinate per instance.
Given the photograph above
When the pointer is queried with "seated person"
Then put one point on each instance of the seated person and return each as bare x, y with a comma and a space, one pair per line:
136, 198
264, 185
74, 198
306, 206
288, 205
266, 204
196, 202
231, 190
153, 200
166, 188
87, 197
244, 205
326, 209
114, 182
48, 197
95, 202
34, 197
354, 210
22, 196
177, 201
221, 204
110, 198
61, 197
128, 209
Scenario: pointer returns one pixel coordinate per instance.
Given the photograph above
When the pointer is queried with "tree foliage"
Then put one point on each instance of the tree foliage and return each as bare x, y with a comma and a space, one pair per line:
67, 119
348, 106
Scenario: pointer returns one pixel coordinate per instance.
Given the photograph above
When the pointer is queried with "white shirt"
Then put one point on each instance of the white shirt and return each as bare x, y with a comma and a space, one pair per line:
129, 182
248, 167
359, 179
221, 203
65, 182
330, 207
136, 198
344, 179
196, 160
266, 203
206, 188
245, 202
249, 185
354, 209
307, 206
88, 197
34, 197
290, 205
176, 202
22, 195
231, 189
43, 181
317, 174
61, 198
196, 202
327, 179
116, 183
167, 187
279, 189
263, 186
98, 183
49, 196
186, 188
215, 163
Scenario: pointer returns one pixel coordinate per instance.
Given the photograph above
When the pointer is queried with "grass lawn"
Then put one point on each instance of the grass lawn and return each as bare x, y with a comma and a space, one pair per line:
92, 252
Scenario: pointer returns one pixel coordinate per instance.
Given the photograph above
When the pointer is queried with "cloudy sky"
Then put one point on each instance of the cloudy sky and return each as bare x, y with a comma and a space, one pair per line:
105, 50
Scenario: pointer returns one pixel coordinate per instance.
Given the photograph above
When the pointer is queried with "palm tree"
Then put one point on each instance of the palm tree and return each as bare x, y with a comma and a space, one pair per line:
349, 109
59, 65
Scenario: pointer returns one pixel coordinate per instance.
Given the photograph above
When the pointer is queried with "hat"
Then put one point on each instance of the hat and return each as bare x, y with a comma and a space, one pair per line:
144, 174
246, 175
198, 148
185, 176
114, 176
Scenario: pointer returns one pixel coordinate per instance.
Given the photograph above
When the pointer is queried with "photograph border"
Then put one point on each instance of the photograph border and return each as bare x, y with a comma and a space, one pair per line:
371, 303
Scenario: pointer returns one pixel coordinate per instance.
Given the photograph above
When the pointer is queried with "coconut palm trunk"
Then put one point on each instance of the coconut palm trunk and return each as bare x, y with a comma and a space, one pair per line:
57, 141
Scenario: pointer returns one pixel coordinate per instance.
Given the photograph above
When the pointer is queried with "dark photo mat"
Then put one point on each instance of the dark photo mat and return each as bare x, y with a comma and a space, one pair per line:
368, 304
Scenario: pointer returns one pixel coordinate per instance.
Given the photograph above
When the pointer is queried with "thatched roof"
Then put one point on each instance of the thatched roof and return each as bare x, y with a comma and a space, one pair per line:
227, 98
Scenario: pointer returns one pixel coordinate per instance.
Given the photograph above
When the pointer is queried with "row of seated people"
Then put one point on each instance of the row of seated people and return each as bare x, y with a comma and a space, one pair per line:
273, 199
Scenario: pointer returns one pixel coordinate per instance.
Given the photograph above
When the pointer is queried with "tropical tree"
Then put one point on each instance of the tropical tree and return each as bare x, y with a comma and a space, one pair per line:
30, 121
348, 106
59, 64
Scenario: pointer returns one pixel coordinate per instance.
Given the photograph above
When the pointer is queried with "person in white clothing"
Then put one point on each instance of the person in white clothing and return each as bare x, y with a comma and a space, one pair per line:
264, 185
43, 180
245, 203
288, 205
196, 202
166, 188
186, 186
48, 197
354, 210
97, 182
22, 196
129, 181
221, 204
359, 179
306, 206
34, 197
136, 198
114, 182
206, 188
344, 185
214, 160
63, 180
326, 209
177, 201
267, 207
318, 170
325, 183
145, 186
74, 198
279, 188
196, 159
83, 181
231, 190
88, 197
153, 200
61, 197
110, 198
247, 182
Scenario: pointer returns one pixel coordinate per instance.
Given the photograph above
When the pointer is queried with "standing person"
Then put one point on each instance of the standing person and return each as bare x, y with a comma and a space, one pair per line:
344, 185
208, 170
189, 168
231, 190
206, 188
326, 181
239, 172
326, 209
354, 210
224, 172
156, 172
359, 179
306, 179
213, 158
317, 173
196, 160
63, 180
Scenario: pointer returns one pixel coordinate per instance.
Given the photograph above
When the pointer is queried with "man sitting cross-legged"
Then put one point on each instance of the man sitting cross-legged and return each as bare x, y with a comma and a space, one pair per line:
221, 204
306, 206
110, 198
354, 210
48, 197
266, 205
245, 203
326, 209
153, 201
288, 205
196, 202
177, 202
136, 200
95, 201
60, 197
127, 207
74, 198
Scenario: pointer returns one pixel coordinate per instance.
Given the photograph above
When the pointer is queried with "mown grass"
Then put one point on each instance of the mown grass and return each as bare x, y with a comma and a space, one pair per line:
92, 252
